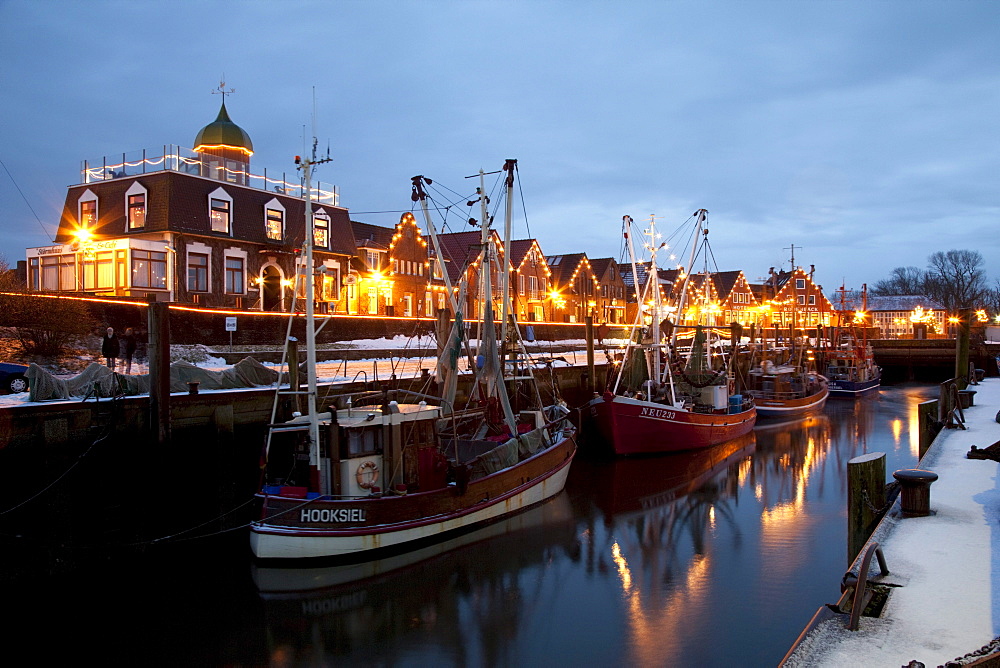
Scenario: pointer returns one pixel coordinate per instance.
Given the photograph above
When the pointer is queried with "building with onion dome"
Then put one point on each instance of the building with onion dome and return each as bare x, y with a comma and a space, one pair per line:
195, 225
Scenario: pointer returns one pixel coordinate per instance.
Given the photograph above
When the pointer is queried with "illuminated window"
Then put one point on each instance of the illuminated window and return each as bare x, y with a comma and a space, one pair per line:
98, 270
136, 211
50, 272
88, 214
373, 260
149, 269
197, 272
235, 283
274, 223
220, 215
321, 230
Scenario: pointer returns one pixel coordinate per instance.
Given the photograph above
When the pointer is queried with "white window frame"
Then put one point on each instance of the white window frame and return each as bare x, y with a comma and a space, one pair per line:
273, 205
197, 248
221, 194
88, 196
321, 214
235, 253
136, 189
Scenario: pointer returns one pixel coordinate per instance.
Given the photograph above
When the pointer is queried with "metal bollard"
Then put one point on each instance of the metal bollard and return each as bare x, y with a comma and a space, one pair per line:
915, 491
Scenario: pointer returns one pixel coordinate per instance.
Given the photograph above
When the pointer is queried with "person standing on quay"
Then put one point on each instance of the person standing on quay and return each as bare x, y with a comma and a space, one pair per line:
127, 350
110, 348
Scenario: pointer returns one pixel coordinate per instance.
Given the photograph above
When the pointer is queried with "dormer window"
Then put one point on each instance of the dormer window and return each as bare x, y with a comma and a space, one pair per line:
274, 223
321, 230
135, 204
136, 211
88, 213
220, 206
274, 220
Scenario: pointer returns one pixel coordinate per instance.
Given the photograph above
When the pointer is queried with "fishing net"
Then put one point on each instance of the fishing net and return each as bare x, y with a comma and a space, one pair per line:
99, 380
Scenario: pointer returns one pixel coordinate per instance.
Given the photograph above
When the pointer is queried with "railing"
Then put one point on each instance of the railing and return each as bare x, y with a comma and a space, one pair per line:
187, 161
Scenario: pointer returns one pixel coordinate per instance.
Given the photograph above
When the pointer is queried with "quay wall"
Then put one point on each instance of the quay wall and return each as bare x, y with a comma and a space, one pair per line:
219, 412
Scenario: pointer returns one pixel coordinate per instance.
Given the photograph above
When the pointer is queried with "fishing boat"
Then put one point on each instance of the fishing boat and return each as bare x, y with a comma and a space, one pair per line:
786, 390
390, 470
666, 398
850, 361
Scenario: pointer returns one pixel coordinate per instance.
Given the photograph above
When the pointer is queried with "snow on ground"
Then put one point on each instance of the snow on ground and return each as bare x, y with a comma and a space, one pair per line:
947, 564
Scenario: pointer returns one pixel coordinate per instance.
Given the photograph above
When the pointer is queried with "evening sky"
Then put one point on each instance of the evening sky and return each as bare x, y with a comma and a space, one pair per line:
864, 133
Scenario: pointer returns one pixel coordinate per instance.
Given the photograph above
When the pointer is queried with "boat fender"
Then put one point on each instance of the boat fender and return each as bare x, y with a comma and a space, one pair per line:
368, 468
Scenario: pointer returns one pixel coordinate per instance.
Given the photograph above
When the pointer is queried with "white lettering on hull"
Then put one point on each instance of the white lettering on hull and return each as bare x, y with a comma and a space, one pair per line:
327, 516
658, 413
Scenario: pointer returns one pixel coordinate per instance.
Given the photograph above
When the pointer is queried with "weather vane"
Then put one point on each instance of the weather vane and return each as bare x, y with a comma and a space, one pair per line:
221, 90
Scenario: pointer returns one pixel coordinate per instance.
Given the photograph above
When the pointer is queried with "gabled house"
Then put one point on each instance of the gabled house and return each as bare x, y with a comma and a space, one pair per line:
574, 287
463, 253
792, 299
396, 276
737, 302
196, 226
611, 298
530, 280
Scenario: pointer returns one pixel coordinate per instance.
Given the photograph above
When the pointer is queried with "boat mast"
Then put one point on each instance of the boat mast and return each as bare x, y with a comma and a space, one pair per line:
320, 481
509, 166
655, 324
418, 195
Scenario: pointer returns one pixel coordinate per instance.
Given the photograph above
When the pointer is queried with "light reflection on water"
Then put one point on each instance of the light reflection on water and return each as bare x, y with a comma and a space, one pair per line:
701, 558
707, 558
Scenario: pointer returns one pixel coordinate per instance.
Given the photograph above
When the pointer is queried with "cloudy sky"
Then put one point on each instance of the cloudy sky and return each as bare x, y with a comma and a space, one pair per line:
864, 133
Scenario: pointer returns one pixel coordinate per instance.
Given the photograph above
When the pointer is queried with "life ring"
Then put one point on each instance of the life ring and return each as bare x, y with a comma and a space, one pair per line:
367, 467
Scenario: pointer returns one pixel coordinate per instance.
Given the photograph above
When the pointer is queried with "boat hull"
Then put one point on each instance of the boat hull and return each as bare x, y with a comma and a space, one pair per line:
635, 427
786, 408
359, 527
846, 388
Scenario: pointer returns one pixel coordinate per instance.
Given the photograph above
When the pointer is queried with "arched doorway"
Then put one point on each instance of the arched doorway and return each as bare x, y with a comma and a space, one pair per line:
270, 294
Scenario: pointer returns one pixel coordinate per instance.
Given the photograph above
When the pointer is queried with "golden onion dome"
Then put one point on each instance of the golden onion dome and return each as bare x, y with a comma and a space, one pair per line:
223, 133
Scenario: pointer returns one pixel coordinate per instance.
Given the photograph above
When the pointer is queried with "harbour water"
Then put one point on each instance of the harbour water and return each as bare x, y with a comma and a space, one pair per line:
712, 558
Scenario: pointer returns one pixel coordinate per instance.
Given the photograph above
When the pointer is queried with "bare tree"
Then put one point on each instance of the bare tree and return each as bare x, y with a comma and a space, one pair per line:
902, 281
956, 278
42, 325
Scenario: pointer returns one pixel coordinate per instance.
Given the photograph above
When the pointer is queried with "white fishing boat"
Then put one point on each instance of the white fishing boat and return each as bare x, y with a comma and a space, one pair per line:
390, 471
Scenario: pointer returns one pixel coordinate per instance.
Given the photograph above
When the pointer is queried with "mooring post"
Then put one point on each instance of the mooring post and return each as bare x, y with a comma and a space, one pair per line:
158, 320
962, 347
589, 333
865, 499
927, 414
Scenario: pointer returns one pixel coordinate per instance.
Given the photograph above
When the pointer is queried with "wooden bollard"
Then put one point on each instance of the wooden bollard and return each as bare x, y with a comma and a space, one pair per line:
865, 499
915, 491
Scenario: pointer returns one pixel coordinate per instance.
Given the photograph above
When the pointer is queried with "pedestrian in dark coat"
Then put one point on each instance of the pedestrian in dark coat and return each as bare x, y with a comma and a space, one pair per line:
110, 348
127, 350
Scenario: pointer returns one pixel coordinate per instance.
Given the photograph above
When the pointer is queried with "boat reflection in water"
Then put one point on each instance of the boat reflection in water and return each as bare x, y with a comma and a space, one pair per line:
383, 611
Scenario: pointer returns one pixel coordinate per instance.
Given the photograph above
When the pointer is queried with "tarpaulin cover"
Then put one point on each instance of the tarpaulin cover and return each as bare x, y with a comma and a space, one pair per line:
99, 379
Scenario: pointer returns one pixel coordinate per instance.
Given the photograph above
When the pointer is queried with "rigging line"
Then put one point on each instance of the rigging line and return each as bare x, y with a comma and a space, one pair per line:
40, 224
410, 210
